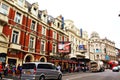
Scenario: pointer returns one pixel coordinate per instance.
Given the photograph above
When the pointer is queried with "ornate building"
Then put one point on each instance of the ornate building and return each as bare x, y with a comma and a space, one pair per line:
101, 49
27, 33
79, 42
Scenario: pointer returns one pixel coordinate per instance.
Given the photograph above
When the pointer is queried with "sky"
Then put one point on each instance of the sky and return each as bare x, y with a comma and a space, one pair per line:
100, 16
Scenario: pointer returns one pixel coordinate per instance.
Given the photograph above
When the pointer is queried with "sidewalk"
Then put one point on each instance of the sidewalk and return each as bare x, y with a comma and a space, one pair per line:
10, 77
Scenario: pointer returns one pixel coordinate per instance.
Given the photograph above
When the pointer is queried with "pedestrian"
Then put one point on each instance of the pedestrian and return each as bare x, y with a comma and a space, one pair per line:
6, 70
59, 67
14, 69
1, 70
19, 69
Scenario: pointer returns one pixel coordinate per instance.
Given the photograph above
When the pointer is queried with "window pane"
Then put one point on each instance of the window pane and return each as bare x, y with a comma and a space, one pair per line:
33, 25
54, 35
43, 30
28, 66
54, 47
31, 42
4, 9
45, 66
15, 37
18, 17
42, 46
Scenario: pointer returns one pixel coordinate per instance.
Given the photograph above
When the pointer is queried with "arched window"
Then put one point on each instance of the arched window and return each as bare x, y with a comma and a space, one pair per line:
42, 60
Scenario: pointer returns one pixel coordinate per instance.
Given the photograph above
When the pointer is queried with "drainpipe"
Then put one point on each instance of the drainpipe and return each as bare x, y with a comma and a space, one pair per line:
25, 38
49, 44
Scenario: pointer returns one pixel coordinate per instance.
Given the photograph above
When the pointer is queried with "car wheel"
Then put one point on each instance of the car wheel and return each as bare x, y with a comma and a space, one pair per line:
60, 77
42, 78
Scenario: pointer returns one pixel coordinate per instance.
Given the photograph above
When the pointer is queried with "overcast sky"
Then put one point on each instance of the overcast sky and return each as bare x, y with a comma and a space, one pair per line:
90, 15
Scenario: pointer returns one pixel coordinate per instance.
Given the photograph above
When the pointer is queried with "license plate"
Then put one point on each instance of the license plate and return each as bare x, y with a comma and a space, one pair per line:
28, 72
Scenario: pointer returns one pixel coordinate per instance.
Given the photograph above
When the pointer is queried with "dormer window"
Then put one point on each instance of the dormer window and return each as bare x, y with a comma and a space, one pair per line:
35, 9
58, 24
44, 15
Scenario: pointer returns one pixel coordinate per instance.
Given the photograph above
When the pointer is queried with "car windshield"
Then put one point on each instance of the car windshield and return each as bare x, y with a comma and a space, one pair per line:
28, 66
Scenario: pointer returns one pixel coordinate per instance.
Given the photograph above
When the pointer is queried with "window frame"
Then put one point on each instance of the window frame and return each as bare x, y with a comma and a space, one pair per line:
31, 42
15, 37
54, 47
18, 16
4, 11
54, 35
42, 47
33, 25
60, 37
18, 36
43, 30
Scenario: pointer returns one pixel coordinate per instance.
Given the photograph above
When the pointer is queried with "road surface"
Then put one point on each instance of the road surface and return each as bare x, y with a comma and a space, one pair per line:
107, 75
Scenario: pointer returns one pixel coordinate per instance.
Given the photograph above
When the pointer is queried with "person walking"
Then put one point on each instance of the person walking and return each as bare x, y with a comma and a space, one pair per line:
14, 69
6, 70
59, 67
19, 69
1, 70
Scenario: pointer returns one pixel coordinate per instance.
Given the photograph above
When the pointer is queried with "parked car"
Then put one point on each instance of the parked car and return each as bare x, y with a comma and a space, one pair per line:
115, 69
40, 71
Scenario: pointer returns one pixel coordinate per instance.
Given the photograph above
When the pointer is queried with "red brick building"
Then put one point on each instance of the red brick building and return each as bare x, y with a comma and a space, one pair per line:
29, 34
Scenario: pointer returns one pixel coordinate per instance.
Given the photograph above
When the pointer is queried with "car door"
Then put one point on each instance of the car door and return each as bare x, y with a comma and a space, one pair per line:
43, 69
54, 72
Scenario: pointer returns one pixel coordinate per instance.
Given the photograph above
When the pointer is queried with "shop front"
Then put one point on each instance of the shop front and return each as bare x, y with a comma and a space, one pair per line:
3, 58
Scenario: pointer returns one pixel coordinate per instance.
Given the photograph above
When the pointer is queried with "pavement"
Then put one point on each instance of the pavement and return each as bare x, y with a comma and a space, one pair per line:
10, 77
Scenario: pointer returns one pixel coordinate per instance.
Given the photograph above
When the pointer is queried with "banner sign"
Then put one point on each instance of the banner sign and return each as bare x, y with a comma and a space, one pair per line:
107, 57
64, 47
82, 47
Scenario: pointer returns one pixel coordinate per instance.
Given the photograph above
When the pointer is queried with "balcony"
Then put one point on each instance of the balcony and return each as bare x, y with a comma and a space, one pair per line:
31, 49
80, 54
83, 51
15, 46
3, 19
53, 54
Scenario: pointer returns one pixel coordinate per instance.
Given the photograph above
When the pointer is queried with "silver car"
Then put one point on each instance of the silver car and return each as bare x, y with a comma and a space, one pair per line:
40, 71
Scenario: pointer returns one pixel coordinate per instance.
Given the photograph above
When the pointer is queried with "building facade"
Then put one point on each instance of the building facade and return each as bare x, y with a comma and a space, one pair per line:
28, 34
101, 49
79, 43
